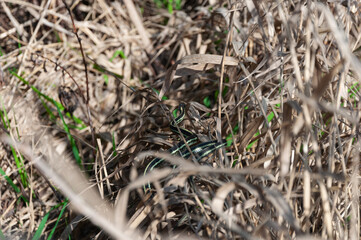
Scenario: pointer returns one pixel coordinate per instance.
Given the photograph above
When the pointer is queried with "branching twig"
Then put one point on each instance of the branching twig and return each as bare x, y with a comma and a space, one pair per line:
57, 65
86, 78
81, 50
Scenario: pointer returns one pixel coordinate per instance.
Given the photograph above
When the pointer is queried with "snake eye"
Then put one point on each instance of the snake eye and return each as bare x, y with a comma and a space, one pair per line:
68, 99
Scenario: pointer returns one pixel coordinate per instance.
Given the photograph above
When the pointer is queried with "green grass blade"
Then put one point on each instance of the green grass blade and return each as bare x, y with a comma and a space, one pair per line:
2, 236
269, 119
49, 99
106, 79
65, 203
3, 119
16, 126
116, 54
41, 227
11, 183
207, 102
170, 6
114, 146
42, 224
19, 161
59, 108
71, 139
48, 110
4, 116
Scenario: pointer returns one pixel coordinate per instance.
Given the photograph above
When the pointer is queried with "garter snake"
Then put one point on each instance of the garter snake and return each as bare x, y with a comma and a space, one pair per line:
185, 148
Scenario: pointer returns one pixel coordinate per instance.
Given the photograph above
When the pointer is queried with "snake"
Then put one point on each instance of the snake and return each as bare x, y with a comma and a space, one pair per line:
185, 148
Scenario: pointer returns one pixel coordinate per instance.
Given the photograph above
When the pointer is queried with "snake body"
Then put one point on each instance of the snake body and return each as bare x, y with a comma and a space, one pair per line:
185, 147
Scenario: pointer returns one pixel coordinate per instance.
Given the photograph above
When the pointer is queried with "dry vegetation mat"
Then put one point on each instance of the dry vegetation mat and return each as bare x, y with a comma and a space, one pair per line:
179, 119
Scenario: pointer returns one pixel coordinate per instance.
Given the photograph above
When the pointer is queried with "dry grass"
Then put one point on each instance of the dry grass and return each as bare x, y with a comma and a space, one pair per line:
289, 76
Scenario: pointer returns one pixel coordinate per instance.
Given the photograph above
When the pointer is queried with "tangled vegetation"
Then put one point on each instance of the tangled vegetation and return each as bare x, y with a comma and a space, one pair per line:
180, 119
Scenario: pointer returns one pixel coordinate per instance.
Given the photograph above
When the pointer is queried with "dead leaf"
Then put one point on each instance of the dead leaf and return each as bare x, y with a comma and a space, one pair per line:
201, 62
251, 131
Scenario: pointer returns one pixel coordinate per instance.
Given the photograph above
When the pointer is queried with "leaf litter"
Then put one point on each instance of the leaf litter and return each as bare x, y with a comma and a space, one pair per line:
279, 80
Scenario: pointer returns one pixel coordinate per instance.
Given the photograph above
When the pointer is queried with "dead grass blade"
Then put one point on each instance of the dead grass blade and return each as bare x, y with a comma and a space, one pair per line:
286, 140
281, 75
134, 16
251, 131
194, 62
323, 83
284, 209
74, 185
218, 206
341, 39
